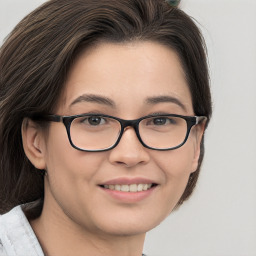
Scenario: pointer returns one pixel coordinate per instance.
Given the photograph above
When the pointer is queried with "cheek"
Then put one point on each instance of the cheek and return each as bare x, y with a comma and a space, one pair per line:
70, 182
63, 159
177, 163
68, 168
176, 167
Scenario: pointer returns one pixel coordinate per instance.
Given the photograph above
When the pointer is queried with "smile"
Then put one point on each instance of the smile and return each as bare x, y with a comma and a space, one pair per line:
129, 188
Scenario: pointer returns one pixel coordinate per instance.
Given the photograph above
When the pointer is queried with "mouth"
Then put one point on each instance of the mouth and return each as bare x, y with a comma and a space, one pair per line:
132, 188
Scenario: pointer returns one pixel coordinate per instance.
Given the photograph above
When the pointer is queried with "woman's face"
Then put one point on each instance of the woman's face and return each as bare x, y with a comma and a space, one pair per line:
125, 81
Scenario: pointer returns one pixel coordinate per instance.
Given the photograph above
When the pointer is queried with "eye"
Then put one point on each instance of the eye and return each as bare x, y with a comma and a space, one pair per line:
93, 120
163, 121
159, 121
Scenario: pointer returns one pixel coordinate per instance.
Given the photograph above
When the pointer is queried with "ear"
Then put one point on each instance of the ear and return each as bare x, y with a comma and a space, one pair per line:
33, 143
198, 132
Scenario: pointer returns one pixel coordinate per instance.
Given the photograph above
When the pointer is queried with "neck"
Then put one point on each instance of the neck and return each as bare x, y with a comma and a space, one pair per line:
60, 235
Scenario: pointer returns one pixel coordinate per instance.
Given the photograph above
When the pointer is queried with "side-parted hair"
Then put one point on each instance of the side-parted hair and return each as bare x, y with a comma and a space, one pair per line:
36, 57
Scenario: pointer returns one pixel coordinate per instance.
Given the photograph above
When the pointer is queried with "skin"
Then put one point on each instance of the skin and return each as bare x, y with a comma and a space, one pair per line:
75, 206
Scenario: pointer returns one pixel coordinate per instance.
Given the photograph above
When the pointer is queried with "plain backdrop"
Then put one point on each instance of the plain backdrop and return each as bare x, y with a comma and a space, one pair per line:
220, 217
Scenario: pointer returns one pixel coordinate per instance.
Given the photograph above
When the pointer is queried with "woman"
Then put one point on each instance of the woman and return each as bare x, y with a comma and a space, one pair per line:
102, 115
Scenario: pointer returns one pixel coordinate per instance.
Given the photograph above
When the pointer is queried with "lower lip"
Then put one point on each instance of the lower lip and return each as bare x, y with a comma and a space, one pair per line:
129, 197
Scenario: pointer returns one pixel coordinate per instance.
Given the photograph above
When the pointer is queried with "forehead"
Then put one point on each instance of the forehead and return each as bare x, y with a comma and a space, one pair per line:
127, 73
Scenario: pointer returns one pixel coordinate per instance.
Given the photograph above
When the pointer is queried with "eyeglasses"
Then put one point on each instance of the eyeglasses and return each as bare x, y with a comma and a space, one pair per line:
96, 132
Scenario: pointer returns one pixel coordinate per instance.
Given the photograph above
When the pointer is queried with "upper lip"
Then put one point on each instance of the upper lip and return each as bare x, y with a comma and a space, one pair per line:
128, 181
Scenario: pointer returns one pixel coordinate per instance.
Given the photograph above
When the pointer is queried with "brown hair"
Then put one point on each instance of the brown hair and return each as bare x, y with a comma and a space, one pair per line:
36, 57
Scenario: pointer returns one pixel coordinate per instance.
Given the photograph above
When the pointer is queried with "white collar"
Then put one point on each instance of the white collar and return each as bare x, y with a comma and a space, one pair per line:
17, 236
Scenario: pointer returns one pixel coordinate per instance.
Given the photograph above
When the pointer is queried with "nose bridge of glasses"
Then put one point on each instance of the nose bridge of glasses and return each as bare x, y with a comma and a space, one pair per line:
126, 124
129, 123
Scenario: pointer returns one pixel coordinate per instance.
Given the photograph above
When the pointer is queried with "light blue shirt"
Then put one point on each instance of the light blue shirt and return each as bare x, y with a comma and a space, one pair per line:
17, 237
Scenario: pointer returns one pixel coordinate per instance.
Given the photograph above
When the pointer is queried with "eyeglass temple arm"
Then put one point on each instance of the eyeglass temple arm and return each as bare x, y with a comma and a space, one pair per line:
53, 118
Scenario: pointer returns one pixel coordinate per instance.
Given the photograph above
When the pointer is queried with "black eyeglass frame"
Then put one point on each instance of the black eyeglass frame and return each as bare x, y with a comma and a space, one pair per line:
67, 120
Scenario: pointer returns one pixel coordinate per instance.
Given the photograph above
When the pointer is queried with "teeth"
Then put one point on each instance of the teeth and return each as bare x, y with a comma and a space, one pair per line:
129, 188
140, 187
112, 187
117, 187
133, 188
145, 186
125, 188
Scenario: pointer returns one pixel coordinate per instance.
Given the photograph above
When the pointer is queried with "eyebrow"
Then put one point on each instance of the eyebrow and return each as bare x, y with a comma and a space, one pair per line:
107, 101
164, 99
95, 99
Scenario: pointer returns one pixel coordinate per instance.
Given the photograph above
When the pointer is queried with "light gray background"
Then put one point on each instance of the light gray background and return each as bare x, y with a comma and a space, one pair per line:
220, 218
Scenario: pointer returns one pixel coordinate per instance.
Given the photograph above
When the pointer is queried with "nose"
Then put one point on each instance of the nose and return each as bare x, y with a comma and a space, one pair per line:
129, 151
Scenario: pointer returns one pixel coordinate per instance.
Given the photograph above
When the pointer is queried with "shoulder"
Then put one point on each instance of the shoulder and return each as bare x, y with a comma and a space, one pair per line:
16, 235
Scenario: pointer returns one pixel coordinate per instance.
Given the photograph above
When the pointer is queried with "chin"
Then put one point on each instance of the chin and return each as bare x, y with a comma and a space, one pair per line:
127, 230
130, 225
